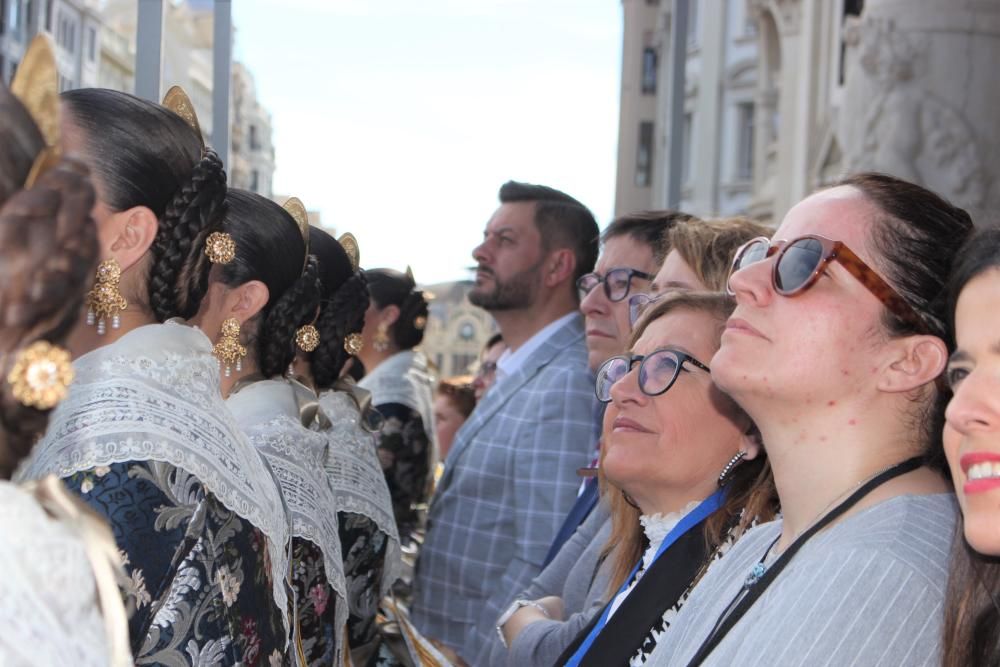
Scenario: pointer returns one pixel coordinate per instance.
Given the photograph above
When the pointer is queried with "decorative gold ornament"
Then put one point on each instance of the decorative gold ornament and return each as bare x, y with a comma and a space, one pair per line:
419, 322
36, 85
41, 375
228, 350
307, 338
380, 341
350, 246
353, 344
104, 301
178, 101
220, 248
296, 209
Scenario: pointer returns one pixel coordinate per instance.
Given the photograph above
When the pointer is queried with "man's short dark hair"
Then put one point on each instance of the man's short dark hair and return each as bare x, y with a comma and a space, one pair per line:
562, 222
494, 339
650, 228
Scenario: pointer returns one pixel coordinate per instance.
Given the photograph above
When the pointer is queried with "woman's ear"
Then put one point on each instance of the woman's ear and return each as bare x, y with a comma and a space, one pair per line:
132, 232
751, 444
388, 315
245, 301
915, 361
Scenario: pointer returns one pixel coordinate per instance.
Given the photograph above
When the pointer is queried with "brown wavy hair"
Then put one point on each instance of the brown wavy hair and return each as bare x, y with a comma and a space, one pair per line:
751, 492
708, 246
48, 251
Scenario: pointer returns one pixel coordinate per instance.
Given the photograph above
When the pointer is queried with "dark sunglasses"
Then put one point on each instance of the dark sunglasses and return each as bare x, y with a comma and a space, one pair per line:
657, 371
617, 282
799, 263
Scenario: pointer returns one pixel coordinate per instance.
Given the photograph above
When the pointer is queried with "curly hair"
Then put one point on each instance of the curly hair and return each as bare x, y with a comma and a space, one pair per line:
48, 248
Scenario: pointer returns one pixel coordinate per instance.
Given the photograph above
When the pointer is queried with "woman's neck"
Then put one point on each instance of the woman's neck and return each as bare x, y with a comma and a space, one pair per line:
84, 337
820, 457
372, 358
662, 500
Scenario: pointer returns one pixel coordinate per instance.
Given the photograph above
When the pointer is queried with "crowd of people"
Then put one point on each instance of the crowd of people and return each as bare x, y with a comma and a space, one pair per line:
692, 442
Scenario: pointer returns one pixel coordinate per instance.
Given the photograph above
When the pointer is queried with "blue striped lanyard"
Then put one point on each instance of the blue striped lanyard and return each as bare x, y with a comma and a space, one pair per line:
705, 509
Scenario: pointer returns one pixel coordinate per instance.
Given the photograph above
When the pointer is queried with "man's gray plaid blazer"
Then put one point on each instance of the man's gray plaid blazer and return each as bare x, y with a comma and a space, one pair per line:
509, 480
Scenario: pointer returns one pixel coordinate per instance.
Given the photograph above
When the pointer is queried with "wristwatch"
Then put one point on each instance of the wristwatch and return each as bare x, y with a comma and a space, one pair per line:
513, 609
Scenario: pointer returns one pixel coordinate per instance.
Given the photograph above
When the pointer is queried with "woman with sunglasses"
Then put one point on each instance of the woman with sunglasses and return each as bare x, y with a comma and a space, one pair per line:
685, 477
972, 445
834, 350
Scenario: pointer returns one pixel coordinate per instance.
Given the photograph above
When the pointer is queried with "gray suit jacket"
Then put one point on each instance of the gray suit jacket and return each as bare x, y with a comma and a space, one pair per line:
509, 480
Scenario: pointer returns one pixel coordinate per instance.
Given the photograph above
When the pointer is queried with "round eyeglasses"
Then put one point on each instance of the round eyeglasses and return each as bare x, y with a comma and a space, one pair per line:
617, 282
658, 371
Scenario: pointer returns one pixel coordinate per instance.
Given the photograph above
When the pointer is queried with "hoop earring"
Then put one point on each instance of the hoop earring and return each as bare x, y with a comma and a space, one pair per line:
104, 301
733, 462
380, 341
228, 350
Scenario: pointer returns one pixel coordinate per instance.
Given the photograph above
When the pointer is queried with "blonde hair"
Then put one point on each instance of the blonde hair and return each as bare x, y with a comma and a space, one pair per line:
708, 246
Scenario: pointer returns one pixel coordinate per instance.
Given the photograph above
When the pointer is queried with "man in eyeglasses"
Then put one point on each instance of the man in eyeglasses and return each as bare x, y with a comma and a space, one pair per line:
486, 375
510, 476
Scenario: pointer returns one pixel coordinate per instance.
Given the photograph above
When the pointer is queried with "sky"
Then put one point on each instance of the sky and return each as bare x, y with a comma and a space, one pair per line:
399, 119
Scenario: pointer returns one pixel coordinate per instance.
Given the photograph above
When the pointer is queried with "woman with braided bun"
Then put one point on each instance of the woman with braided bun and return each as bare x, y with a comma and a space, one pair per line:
48, 245
402, 390
270, 291
368, 535
144, 436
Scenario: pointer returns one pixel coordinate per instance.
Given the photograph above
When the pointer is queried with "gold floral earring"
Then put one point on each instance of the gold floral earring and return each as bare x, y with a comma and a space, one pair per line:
228, 350
104, 301
353, 344
380, 341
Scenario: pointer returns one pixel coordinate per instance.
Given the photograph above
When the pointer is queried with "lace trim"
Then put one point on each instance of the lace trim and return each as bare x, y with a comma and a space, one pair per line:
355, 474
154, 396
296, 456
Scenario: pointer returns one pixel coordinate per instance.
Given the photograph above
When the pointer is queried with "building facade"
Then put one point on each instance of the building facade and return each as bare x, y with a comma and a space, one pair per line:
456, 330
785, 96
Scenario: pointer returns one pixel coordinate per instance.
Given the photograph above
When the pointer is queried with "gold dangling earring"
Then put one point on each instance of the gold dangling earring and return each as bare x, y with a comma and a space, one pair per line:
353, 344
104, 301
228, 350
380, 341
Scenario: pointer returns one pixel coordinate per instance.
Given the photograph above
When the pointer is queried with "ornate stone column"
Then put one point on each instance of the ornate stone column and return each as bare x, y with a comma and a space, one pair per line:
922, 97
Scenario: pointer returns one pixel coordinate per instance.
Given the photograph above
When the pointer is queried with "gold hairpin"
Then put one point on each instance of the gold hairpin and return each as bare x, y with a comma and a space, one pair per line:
41, 375
353, 344
220, 248
307, 338
419, 322
350, 246
36, 84
178, 101
297, 210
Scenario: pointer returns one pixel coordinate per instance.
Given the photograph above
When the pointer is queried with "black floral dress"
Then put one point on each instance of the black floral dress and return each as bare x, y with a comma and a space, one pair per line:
404, 452
364, 547
315, 604
200, 575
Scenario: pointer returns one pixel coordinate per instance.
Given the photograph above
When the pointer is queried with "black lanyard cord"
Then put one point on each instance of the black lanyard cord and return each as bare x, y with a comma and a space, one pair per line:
755, 590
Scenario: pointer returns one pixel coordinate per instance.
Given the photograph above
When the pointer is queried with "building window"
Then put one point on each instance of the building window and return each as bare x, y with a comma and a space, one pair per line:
254, 180
644, 156
692, 27
466, 332
91, 44
649, 62
851, 8
254, 139
686, 148
460, 363
744, 141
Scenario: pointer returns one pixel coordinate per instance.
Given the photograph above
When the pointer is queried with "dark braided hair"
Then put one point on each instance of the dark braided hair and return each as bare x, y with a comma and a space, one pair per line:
270, 248
48, 248
392, 288
142, 154
342, 309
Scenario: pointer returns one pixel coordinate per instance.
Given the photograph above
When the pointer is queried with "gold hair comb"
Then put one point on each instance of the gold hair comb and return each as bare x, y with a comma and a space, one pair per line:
36, 84
178, 101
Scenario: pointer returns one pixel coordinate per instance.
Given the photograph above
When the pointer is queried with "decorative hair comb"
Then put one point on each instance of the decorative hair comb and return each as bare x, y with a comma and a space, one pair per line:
350, 246
297, 210
36, 84
178, 101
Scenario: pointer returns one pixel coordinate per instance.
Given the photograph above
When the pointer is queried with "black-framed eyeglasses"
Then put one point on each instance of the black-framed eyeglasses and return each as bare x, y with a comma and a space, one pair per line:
658, 371
617, 282
486, 369
637, 304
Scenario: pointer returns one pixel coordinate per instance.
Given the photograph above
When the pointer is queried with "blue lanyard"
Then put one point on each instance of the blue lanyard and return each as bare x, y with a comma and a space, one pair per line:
705, 509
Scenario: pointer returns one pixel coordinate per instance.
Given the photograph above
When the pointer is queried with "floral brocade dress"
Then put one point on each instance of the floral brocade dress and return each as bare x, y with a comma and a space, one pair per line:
275, 415
145, 440
368, 537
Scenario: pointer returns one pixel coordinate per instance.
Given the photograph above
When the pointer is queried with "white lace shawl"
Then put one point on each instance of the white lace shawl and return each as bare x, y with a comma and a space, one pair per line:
269, 415
405, 378
48, 597
355, 474
153, 395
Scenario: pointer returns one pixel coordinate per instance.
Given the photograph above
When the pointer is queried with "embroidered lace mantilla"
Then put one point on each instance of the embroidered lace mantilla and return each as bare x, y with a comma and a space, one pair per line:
268, 414
356, 476
154, 395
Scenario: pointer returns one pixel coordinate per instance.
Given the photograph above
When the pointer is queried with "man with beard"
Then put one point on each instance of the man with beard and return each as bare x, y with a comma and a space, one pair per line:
511, 476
